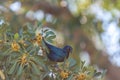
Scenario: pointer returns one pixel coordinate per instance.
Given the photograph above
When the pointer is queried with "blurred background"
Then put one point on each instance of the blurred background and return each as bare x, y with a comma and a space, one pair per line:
91, 27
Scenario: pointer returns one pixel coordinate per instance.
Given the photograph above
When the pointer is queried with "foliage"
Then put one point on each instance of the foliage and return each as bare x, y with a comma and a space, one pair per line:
23, 57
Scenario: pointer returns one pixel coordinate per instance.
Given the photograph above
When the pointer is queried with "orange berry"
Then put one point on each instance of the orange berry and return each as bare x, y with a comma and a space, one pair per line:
81, 76
64, 74
15, 46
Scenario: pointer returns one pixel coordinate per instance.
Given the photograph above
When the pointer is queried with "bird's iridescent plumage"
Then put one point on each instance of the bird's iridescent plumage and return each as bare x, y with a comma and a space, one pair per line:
57, 54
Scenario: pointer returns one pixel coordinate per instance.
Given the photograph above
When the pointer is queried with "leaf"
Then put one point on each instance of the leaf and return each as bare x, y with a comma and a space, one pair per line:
84, 69
35, 68
6, 52
50, 38
29, 26
16, 36
97, 74
91, 70
103, 73
39, 24
21, 32
82, 64
12, 69
76, 69
10, 34
2, 75
70, 78
72, 62
45, 75
48, 33
20, 70
33, 77
38, 61
46, 30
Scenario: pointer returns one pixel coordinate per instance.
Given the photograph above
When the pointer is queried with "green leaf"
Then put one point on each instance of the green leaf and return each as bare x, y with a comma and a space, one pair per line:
6, 52
76, 69
82, 64
10, 34
103, 73
20, 70
35, 68
49, 33
46, 30
34, 77
45, 75
84, 69
38, 61
29, 26
12, 69
97, 74
21, 32
72, 62
39, 24
50, 38
91, 70
70, 78
16, 36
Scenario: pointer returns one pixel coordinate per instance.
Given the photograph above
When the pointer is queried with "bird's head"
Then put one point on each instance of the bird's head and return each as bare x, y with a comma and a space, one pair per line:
68, 49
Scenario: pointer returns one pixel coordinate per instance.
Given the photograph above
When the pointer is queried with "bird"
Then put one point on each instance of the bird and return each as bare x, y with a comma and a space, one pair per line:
57, 54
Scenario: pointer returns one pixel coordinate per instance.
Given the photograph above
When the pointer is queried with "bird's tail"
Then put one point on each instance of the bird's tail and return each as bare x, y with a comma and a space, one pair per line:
43, 39
46, 45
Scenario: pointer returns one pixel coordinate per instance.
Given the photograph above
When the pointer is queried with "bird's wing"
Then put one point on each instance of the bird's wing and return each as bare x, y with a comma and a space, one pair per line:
58, 51
55, 58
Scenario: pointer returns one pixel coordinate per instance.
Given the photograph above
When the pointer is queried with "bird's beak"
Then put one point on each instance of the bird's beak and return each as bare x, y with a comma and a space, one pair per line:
71, 51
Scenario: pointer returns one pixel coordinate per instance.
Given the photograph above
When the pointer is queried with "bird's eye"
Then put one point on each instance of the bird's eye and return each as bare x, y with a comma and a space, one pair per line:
68, 49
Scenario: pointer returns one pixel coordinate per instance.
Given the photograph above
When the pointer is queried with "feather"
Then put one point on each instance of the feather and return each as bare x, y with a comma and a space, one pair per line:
57, 54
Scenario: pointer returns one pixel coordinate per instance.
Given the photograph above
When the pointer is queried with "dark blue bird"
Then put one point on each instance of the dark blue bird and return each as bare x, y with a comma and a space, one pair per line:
57, 54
